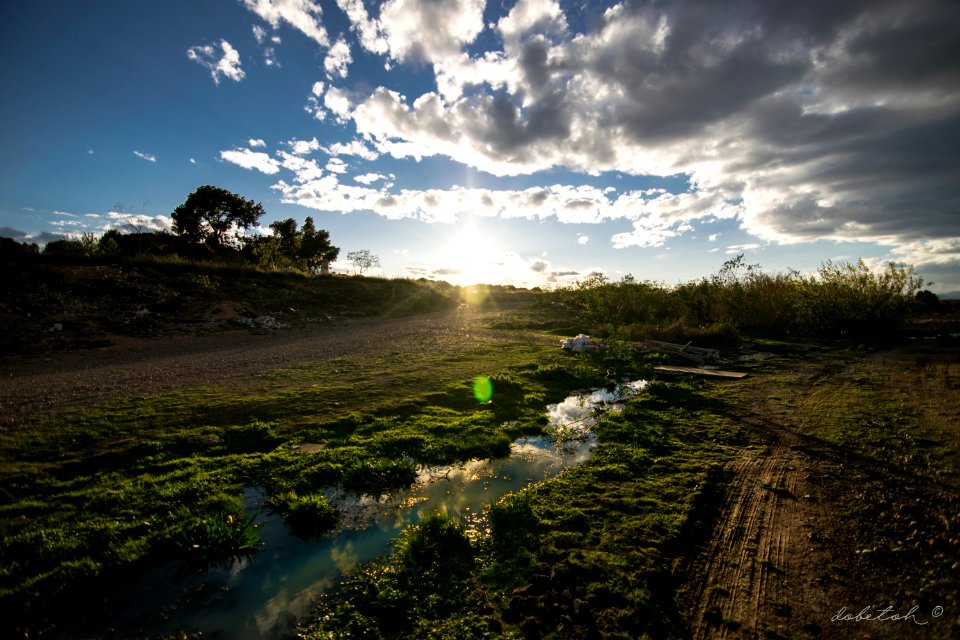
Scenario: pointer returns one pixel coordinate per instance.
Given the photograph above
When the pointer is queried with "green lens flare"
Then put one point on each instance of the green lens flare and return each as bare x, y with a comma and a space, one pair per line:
482, 389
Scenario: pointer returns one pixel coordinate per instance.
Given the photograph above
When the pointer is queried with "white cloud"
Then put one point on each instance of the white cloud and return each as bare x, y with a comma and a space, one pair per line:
227, 65
313, 105
528, 15
336, 165
368, 30
338, 101
430, 30
303, 15
352, 148
193, 161
270, 57
146, 156
305, 169
137, 222
369, 178
256, 142
259, 33
304, 147
249, 159
582, 239
338, 59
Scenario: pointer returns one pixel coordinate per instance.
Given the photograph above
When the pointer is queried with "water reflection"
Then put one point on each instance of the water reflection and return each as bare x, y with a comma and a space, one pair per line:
263, 596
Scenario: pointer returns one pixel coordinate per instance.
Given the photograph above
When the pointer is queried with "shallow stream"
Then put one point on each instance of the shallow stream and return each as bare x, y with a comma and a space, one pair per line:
265, 595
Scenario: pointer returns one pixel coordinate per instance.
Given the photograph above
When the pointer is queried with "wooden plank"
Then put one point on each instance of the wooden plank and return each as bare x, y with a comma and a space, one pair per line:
715, 373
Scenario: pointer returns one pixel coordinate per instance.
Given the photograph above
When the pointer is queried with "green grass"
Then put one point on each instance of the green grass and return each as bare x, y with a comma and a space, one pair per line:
98, 495
581, 555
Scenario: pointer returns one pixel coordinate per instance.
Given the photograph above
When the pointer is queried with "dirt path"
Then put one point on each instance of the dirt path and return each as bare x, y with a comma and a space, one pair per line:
760, 573
32, 387
807, 530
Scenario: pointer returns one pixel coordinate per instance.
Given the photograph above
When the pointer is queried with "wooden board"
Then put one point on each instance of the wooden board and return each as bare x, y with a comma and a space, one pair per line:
716, 373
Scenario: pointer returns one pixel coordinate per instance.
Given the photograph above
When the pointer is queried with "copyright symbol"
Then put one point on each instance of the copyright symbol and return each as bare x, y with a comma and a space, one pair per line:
937, 612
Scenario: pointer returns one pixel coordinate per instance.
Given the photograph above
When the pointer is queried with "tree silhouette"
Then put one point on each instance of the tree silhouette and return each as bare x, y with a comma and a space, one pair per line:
315, 247
209, 213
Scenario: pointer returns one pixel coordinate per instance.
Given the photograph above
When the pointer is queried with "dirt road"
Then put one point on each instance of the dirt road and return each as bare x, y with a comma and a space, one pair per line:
32, 387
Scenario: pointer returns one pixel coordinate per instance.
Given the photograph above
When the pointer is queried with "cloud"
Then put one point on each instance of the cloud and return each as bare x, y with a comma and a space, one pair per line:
336, 165
313, 105
304, 147
303, 15
819, 120
14, 234
256, 142
582, 239
369, 178
352, 148
249, 159
146, 156
337, 101
227, 65
136, 222
338, 59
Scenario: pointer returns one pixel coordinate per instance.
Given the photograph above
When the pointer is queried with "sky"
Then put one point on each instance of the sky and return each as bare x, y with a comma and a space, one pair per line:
528, 142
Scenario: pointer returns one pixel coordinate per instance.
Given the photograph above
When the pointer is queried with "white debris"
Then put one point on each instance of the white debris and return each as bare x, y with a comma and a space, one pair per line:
581, 343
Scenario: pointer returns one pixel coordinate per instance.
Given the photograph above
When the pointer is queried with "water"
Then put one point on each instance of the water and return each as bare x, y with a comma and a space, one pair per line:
264, 596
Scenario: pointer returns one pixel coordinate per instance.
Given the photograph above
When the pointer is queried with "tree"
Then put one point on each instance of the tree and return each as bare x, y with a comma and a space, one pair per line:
362, 260
209, 213
288, 238
315, 247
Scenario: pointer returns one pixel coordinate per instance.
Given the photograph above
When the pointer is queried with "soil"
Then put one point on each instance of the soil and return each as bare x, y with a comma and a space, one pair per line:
793, 550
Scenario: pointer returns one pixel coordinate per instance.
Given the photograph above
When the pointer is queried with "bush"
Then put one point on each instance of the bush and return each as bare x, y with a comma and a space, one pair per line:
841, 300
851, 300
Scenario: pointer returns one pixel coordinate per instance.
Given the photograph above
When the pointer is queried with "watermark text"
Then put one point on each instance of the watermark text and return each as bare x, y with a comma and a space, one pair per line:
888, 614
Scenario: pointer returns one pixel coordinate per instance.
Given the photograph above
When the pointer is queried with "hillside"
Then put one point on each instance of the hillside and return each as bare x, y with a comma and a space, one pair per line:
51, 306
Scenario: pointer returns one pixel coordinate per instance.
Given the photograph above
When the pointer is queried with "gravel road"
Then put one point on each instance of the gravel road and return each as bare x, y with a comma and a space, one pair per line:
33, 387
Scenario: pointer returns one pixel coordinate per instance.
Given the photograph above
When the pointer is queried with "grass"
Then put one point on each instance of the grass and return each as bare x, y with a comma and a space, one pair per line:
583, 554
95, 497
592, 552
99, 495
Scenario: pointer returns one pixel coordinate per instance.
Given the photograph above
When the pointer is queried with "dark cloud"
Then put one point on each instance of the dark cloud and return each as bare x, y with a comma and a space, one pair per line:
816, 120
14, 234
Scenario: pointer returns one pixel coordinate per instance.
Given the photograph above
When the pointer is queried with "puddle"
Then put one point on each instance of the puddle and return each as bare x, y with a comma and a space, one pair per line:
264, 596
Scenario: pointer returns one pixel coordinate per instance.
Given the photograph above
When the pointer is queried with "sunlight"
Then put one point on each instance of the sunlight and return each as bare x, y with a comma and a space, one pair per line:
473, 255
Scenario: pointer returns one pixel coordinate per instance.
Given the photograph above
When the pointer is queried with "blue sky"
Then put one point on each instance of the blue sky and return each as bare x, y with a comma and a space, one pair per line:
529, 142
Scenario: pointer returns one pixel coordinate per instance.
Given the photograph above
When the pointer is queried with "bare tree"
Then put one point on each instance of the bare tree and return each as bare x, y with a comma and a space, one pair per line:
362, 260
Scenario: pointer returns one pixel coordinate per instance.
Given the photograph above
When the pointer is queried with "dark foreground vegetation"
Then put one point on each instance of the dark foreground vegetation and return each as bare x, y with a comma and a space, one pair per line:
95, 497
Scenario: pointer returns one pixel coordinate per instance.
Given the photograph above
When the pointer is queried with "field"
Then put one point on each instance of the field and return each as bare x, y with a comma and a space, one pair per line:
815, 498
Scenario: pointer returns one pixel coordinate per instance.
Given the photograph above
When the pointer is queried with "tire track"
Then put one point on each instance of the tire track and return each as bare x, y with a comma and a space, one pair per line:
761, 575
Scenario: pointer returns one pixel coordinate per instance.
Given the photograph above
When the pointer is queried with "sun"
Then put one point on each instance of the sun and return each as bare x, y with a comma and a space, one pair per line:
473, 255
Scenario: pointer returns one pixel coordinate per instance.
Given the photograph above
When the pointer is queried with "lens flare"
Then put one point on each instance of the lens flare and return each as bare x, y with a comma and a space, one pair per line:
482, 389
